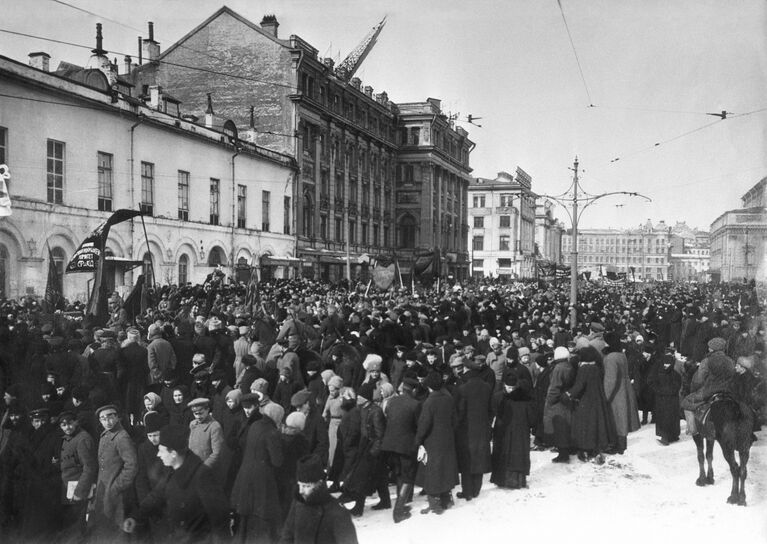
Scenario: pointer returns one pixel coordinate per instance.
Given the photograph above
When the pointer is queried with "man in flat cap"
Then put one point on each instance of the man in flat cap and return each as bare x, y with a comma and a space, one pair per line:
78, 473
118, 465
192, 499
206, 438
315, 429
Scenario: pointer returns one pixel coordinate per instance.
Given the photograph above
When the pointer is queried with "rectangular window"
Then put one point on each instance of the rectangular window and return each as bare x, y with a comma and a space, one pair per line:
215, 197
503, 243
478, 264
504, 263
385, 242
3, 145
364, 237
286, 215
376, 232
55, 165
506, 200
339, 229
147, 188
505, 221
479, 201
478, 243
479, 221
183, 195
105, 182
324, 227
242, 206
352, 232
415, 135
265, 211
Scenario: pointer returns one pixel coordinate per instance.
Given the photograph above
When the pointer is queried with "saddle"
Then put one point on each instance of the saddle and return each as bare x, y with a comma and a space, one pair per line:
702, 412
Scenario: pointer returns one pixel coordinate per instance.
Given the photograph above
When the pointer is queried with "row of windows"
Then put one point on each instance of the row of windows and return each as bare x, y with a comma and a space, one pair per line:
56, 172
504, 221
504, 243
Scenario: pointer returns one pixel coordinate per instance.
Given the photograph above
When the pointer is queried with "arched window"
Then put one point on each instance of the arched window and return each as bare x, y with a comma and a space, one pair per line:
407, 232
59, 261
308, 215
183, 269
4, 262
147, 268
216, 257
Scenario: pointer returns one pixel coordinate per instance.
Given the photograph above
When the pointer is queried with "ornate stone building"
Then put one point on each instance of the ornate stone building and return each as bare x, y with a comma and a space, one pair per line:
345, 138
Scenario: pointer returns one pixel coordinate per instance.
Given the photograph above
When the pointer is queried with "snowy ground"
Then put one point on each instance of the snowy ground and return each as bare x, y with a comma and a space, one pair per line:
647, 495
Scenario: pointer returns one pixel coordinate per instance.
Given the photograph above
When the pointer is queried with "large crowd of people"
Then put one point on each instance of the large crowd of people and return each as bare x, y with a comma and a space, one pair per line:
222, 414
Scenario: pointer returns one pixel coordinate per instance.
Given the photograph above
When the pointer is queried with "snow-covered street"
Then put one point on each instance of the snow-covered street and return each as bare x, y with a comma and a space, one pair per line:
646, 495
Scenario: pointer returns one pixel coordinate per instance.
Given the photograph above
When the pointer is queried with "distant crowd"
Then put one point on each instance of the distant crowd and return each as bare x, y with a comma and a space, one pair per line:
219, 414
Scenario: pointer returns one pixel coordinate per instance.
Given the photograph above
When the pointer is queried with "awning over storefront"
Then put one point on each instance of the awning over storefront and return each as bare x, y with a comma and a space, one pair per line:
268, 260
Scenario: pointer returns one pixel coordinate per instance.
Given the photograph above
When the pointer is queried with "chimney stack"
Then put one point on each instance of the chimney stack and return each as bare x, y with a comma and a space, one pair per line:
99, 42
209, 113
151, 49
140, 47
40, 60
155, 97
127, 64
269, 24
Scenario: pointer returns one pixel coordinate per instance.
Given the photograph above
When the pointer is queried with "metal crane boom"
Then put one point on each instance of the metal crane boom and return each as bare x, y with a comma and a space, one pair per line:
346, 69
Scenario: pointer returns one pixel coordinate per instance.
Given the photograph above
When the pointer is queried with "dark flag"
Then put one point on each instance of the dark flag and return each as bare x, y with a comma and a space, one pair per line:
384, 271
135, 302
252, 293
53, 289
88, 258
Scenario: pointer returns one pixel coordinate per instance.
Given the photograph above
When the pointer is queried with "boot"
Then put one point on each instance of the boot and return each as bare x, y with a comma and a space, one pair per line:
435, 505
359, 507
562, 457
383, 493
401, 511
446, 499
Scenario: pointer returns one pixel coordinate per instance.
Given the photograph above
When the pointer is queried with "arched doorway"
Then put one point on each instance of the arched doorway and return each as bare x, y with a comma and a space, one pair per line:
216, 257
242, 271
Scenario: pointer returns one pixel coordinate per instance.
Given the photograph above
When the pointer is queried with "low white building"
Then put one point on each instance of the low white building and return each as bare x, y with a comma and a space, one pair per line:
81, 143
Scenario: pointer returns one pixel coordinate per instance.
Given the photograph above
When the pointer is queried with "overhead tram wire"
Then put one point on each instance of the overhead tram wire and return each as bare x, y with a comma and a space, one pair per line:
669, 140
197, 68
575, 52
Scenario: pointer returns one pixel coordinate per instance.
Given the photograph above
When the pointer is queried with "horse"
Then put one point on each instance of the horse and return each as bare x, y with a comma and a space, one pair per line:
731, 424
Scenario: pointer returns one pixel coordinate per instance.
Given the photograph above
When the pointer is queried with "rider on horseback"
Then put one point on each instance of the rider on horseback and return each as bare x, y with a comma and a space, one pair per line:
713, 376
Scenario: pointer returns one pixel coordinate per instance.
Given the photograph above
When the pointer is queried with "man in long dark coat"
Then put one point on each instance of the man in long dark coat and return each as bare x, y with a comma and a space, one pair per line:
475, 414
435, 439
402, 413
557, 414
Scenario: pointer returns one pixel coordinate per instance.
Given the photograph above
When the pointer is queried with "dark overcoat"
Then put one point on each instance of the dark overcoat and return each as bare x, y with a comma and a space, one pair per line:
557, 414
401, 413
196, 508
436, 432
592, 427
318, 520
255, 489
475, 416
514, 416
666, 382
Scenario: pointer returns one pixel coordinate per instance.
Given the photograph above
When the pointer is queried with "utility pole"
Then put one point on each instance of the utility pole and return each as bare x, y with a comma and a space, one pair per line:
574, 266
573, 199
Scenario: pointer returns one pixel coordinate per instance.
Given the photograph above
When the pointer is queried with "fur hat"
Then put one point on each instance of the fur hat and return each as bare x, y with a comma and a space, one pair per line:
717, 344
372, 362
309, 469
523, 351
260, 385
175, 437
433, 381
153, 422
336, 381
296, 420
300, 398
561, 354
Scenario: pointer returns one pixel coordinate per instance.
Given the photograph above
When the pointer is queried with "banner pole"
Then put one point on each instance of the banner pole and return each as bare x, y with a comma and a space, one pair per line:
151, 261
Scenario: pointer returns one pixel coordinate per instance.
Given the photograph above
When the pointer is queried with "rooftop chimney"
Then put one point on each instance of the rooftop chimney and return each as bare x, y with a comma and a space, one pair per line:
99, 42
40, 60
140, 47
127, 64
209, 113
155, 97
151, 49
269, 24
252, 117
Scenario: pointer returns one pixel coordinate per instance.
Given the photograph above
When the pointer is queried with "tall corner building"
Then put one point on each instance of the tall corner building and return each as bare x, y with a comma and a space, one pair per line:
374, 178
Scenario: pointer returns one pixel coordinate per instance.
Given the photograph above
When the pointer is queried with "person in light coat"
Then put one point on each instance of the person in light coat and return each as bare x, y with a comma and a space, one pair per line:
206, 438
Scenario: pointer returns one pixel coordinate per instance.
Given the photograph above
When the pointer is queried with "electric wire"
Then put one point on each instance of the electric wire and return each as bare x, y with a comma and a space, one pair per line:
575, 52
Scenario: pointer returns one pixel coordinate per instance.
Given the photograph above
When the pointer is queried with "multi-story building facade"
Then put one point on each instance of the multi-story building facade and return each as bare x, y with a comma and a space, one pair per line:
738, 239
433, 177
643, 253
343, 136
548, 233
502, 214
690, 256
80, 144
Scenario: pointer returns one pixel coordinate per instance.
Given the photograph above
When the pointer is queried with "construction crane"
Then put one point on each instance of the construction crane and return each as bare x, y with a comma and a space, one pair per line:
346, 69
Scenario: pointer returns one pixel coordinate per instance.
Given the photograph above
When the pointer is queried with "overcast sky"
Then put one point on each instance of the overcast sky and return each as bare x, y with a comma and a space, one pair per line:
652, 69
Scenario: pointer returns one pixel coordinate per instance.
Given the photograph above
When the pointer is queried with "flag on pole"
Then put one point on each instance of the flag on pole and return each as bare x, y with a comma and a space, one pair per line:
5, 198
53, 288
135, 303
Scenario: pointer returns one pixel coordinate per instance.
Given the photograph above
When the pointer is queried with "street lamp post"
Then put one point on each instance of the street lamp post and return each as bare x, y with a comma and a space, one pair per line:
574, 199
